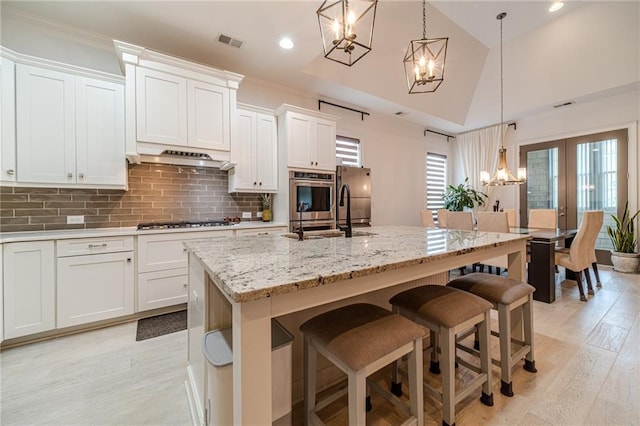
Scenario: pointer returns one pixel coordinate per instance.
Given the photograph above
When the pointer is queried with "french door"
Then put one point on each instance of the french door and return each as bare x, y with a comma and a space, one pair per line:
577, 174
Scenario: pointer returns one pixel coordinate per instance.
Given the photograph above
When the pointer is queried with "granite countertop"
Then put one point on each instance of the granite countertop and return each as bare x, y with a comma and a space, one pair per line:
10, 237
255, 267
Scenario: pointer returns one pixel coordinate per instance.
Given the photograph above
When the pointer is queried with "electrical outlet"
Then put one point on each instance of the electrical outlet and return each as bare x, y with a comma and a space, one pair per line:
246, 215
259, 214
75, 220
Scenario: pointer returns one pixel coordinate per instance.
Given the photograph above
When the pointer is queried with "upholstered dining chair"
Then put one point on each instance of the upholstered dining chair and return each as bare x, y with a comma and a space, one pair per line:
427, 218
442, 218
494, 222
543, 219
582, 248
459, 220
511, 215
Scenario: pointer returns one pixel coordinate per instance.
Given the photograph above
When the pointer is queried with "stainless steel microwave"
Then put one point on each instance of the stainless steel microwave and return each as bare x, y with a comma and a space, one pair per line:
311, 197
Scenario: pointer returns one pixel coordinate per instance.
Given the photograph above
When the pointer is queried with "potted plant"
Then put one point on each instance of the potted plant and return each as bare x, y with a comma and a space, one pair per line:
624, 256
456, 198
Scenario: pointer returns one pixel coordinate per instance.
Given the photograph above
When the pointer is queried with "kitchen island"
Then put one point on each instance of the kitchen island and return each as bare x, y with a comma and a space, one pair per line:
247, 281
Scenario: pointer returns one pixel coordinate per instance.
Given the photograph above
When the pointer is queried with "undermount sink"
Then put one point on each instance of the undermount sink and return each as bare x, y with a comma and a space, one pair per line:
317, 235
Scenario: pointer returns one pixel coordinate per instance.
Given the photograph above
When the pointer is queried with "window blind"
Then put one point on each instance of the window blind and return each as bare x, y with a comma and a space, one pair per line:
348, 151
436, 182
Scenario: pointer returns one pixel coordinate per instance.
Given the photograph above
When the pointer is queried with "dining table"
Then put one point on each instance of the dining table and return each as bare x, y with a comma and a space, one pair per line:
542, 266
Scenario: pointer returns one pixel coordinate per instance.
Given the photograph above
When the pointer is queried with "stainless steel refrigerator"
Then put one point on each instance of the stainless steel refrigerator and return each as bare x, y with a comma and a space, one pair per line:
359, 180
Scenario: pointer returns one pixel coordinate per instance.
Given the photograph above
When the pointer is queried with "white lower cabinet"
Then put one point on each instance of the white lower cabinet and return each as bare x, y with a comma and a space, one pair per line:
29, 288
162, 288
94, 287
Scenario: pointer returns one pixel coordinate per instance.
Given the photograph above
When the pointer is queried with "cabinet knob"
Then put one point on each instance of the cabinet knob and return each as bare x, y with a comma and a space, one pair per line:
255, 183
11, 172
312, 163
316, 163
260, 184
81, 175
184, 285
128, 260
69, 175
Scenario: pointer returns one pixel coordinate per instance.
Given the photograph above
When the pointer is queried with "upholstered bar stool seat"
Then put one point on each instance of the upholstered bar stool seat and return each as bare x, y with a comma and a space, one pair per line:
446, 311
505, 294
360, 339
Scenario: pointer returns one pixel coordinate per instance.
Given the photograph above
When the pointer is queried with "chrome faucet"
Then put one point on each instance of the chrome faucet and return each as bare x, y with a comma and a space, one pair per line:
348, 230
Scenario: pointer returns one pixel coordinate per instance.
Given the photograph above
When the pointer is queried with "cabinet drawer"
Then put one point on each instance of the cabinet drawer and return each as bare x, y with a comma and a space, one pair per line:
94, 288
162, 288
83, 246
160, 252
261, 231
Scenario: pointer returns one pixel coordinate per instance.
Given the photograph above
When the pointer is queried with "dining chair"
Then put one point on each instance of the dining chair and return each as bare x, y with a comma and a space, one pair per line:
511, 215
582, 248
459, 220
494, 222
543, 219
427, 218
442, 217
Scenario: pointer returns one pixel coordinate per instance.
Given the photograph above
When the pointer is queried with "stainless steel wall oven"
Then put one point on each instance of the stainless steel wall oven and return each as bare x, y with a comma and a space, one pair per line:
311, 200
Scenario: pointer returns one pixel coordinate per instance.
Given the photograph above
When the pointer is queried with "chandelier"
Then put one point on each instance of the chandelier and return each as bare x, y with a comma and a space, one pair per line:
424, 61
346, 28
503, 175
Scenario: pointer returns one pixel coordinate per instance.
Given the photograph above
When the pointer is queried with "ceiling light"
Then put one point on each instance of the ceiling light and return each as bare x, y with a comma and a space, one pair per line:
346, 28
286, 43
503, 175
556, 6
424, 61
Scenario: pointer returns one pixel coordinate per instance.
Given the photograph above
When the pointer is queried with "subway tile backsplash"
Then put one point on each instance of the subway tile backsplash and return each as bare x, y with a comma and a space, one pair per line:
157, 192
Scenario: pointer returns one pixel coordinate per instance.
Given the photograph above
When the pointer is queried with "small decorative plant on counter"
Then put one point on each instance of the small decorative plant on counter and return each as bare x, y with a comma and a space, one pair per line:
267, 215
456, 198
624, 256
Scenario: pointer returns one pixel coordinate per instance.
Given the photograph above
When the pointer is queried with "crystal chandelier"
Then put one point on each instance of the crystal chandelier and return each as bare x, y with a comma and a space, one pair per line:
503, 175
424, 61
346, 28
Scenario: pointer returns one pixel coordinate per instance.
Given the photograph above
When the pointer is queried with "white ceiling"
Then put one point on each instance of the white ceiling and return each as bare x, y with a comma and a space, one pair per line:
376, 83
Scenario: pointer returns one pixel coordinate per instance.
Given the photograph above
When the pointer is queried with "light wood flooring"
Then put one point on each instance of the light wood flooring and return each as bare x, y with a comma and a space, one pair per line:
587, 355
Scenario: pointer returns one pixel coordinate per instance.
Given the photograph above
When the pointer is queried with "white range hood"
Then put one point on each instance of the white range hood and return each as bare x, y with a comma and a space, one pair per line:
182, 156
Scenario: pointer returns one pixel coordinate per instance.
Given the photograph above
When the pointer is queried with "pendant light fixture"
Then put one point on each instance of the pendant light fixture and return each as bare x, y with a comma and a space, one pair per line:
503, 175
424, 61
346, 28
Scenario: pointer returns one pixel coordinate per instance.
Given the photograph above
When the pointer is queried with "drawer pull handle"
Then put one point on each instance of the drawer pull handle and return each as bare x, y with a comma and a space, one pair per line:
184, 285
11, 172
128, 259
103, 245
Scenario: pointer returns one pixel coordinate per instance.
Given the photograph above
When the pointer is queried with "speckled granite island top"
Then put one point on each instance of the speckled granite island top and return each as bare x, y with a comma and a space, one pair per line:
255, 267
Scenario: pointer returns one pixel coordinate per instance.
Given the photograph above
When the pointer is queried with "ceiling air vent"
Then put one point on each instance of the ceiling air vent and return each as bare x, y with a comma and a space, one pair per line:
230, 41
564, 104
184, 154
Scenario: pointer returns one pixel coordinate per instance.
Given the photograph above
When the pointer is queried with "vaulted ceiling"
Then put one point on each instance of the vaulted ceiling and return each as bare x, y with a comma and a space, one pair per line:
586, 51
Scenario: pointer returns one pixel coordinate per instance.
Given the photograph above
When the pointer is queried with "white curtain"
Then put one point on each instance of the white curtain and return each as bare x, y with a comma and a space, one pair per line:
477, 151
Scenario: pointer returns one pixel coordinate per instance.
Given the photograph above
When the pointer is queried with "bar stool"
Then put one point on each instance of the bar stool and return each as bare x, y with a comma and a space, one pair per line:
360, 339
505, 294
446, 311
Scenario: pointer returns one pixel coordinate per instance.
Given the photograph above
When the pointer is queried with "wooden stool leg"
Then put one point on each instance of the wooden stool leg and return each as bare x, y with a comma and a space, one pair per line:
527, 322
415, 382
485, 359
434, 365
504, 322
310, 357
594, 265
579, 279
447, 346
357, 397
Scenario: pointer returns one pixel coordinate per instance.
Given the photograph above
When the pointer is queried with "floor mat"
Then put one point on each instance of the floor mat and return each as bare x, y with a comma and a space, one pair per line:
161, 325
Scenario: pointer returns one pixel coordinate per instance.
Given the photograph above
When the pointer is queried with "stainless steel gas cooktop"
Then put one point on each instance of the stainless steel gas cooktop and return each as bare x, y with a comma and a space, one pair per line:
227, 221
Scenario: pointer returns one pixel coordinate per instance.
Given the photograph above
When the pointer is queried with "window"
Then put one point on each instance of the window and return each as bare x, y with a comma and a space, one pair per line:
348, 151
436, 182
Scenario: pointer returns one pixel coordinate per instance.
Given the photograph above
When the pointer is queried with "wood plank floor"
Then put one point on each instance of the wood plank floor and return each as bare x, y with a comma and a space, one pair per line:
587, 355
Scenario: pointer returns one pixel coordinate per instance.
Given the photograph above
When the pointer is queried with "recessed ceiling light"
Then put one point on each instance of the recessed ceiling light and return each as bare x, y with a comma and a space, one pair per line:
556, 6
286, 43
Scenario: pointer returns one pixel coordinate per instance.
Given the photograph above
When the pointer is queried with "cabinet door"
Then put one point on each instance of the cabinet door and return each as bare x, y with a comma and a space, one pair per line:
100, 150
266, 153
242, 177
325, 148
29, 288
95, 287
299, 135
208, 115
161, 107
162, 288
45, 111
7, 121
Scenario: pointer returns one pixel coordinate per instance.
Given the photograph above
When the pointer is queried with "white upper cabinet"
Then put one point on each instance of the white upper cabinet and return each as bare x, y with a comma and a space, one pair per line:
309, 138
255, 152
69, 127
7, 121
173, 104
